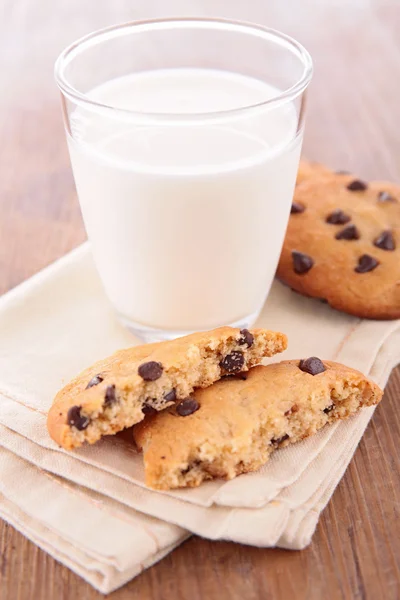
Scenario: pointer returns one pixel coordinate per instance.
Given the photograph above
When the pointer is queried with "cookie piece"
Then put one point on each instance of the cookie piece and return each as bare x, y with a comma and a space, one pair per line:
344, 246
240, 421
119, 391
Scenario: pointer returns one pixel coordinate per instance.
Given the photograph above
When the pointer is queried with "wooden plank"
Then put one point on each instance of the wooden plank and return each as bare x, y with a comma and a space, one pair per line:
353, 111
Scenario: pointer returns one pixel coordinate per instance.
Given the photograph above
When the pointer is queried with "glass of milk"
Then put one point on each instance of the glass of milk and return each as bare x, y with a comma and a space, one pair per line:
185, 137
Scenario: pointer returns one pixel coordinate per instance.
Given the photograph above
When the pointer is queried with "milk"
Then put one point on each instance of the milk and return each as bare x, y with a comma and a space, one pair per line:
186, 214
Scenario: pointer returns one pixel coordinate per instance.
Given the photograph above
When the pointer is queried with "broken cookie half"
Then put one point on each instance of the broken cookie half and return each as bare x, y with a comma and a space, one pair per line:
233, 426
121, 390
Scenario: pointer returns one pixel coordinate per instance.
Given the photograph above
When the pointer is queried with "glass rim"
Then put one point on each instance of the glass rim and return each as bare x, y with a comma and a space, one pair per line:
282, 39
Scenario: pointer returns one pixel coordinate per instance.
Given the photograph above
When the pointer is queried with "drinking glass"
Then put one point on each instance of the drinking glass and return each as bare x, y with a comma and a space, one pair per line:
184, 136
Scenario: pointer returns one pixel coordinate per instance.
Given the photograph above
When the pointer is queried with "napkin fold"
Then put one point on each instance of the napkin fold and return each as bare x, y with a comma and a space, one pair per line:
101, 520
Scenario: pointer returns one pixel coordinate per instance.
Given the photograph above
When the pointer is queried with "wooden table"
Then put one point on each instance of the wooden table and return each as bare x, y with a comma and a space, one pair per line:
353, 123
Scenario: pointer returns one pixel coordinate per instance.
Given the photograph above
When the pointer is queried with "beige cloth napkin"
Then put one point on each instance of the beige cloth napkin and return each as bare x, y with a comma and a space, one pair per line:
58, 322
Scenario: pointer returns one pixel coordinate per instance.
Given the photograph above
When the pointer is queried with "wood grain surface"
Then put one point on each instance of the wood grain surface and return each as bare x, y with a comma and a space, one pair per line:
353, 123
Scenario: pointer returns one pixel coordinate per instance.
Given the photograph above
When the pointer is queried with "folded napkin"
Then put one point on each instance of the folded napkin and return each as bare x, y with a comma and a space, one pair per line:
57, 323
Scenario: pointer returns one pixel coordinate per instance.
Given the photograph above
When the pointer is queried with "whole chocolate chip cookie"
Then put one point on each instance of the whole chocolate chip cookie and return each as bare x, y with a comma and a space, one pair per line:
119, 391
233, 426
344, 245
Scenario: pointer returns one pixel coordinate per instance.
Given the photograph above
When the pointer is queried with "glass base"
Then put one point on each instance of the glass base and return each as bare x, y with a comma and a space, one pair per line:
149, 335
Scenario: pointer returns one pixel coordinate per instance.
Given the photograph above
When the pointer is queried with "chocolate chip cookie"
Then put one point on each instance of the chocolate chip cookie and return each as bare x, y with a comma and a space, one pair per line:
119, 391
235, 425
343, 245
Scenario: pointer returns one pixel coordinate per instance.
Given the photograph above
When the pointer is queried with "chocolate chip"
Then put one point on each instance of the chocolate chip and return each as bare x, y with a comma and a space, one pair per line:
76, 419
95, 381
278, 441
187, 407
233, 362
246, 338
150, 371
342, 172
328, 409
366, 263
170, 396
385, 241
291, 411
357, 186
297, 208
338, 217
348, 233
302, 263
312, 365
386, 197
110, 397
148, 410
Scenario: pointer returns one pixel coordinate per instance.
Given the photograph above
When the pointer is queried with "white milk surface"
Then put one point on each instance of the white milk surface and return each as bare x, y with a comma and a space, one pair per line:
186, 214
